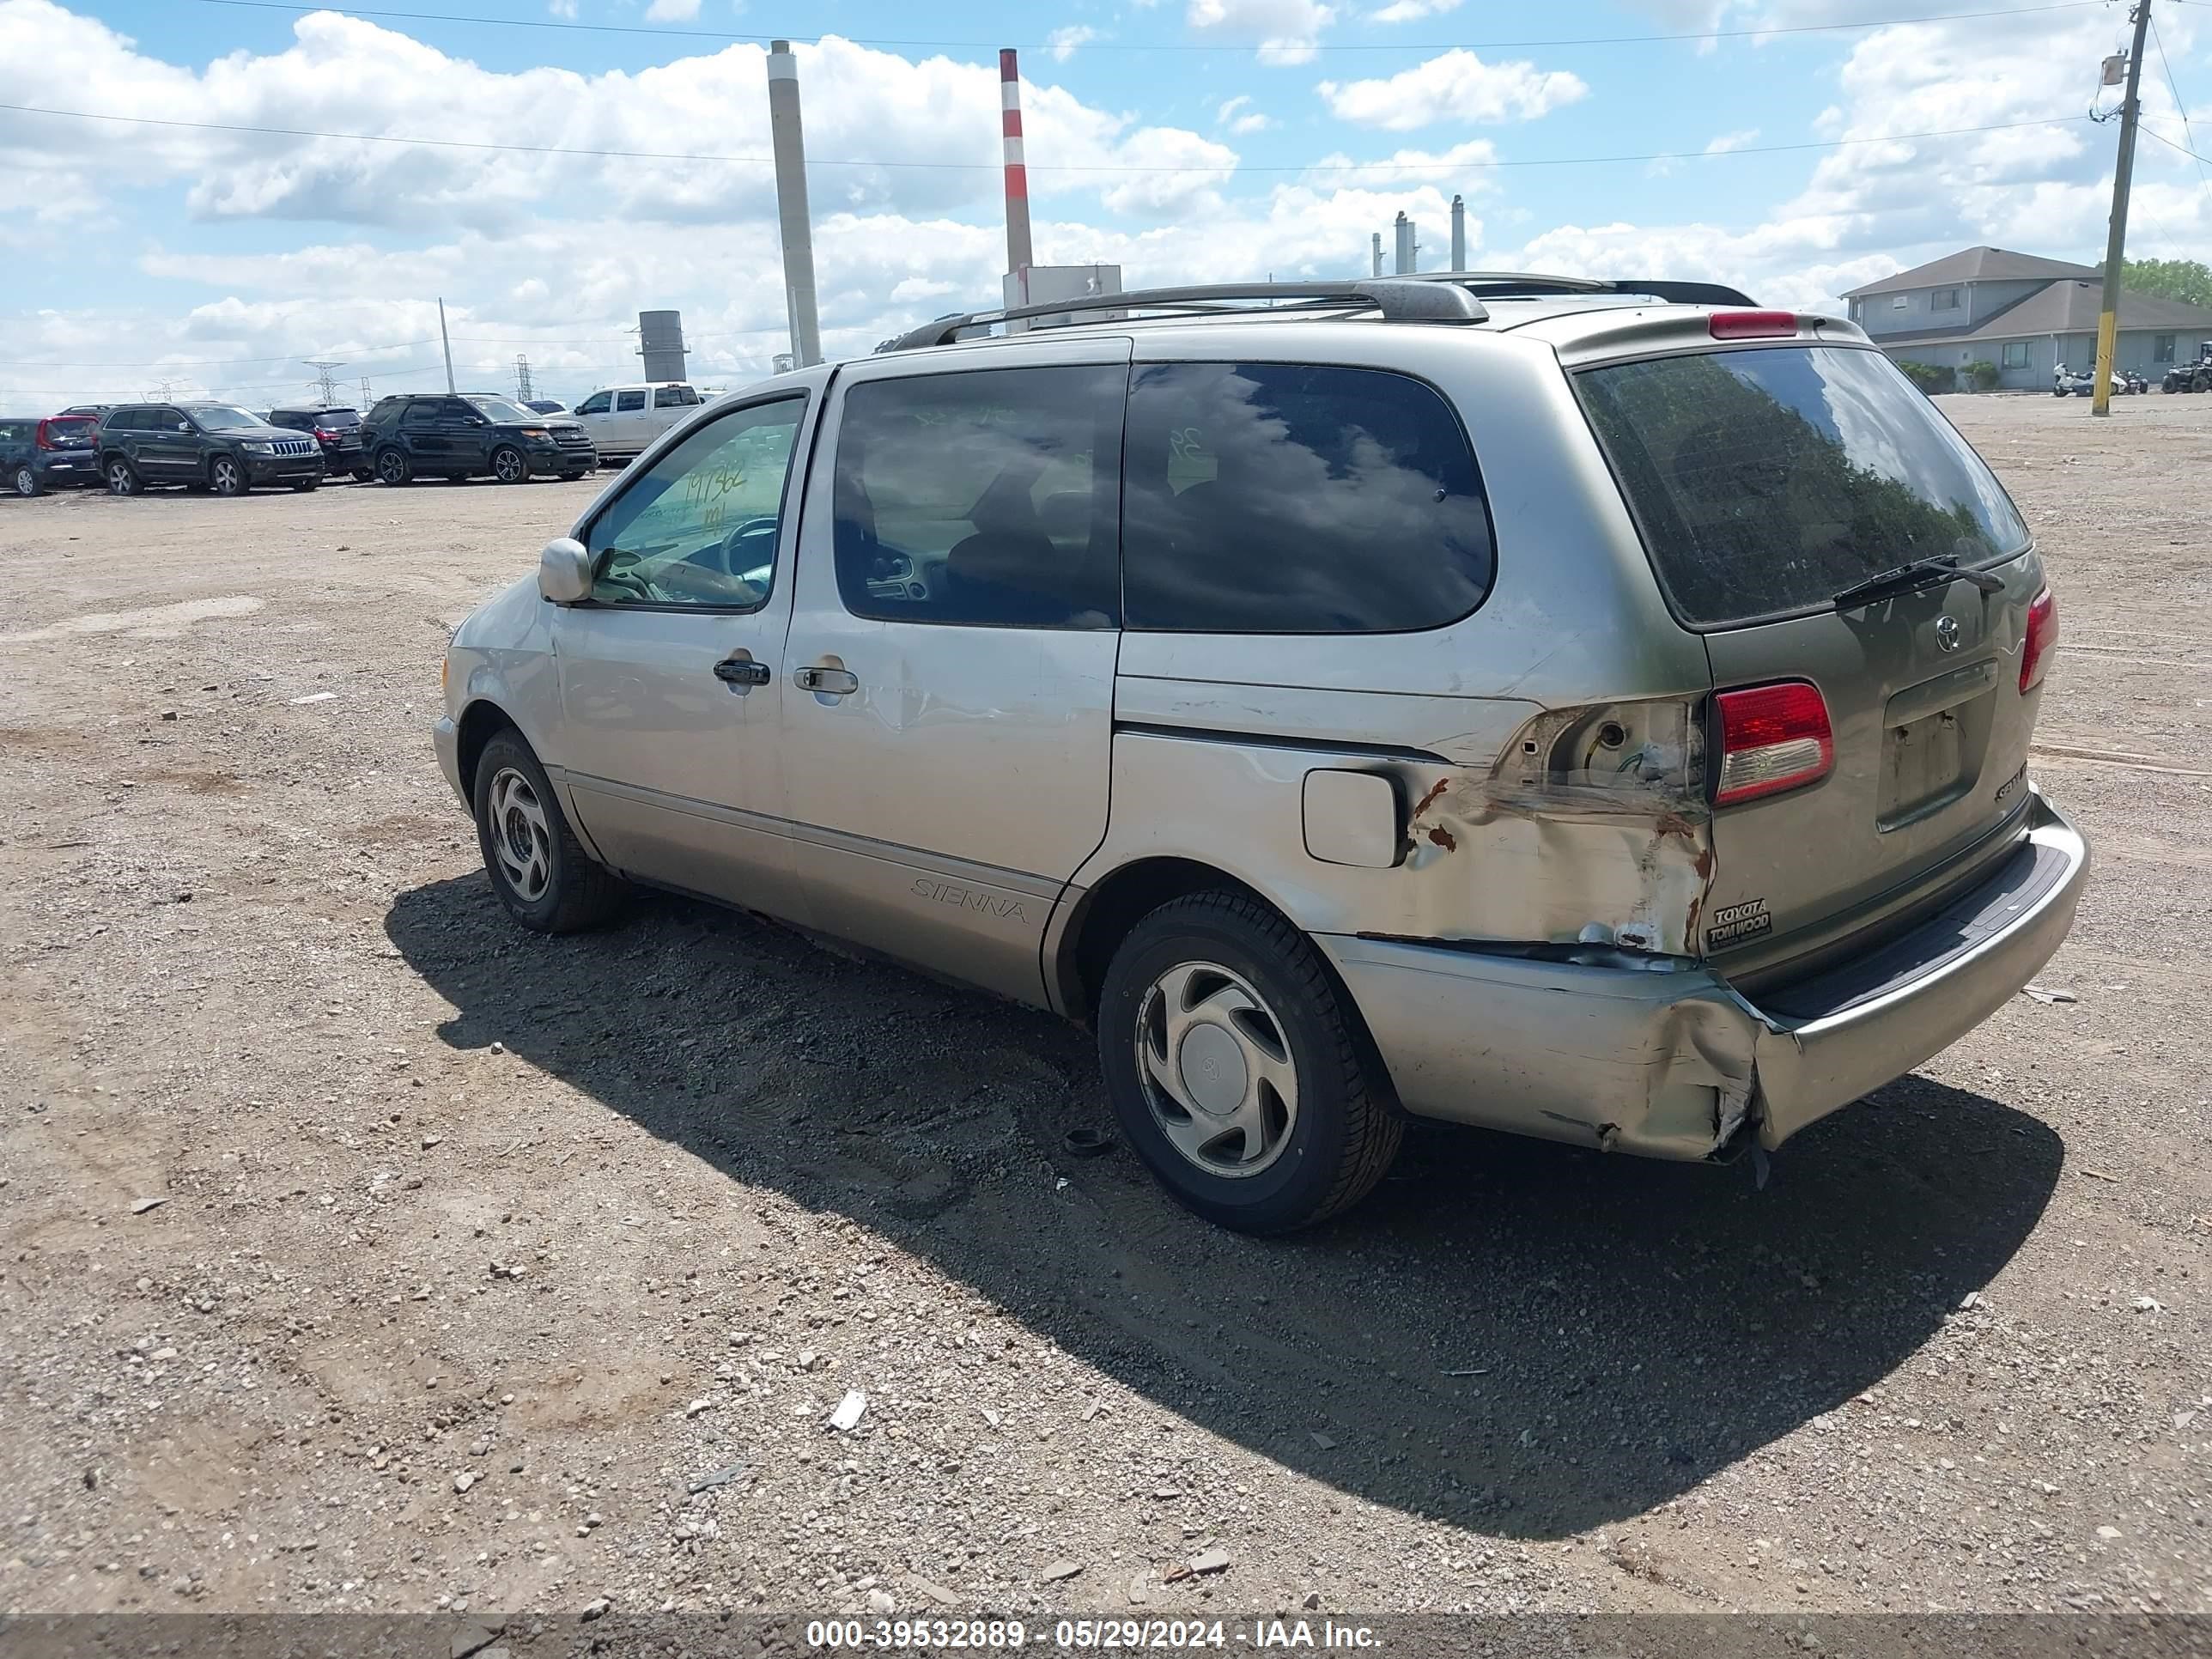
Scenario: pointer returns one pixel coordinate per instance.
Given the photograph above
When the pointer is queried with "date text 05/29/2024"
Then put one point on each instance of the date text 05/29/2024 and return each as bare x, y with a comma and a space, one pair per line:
896, 1635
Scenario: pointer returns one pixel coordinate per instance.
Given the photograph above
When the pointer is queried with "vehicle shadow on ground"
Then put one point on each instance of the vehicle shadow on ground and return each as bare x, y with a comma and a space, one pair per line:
1631, 1327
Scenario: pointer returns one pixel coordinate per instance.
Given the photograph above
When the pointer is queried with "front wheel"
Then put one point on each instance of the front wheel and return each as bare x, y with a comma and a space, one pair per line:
392, 466
510, 465
226, 477
1237, 1069
122, 477
541, 873
26, 480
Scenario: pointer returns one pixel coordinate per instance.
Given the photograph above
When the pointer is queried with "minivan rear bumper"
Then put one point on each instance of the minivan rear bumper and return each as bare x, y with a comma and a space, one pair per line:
1672, 1061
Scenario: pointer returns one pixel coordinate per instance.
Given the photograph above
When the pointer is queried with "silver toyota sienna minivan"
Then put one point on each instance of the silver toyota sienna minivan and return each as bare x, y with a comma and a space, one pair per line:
1593, 710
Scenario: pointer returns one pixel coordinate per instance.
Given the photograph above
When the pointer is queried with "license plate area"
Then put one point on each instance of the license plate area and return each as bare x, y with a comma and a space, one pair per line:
1932, 756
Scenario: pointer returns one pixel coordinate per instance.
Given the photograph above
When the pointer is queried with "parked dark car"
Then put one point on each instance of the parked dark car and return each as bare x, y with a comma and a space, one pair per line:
96, 411
546, 406
41, 453
216, 446
440, 435
335, 427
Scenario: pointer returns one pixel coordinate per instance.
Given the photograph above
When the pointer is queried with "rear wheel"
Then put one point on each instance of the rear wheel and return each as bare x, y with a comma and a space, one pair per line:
541, 873
226, 477
122, 477
1236, 1069
510, 465
26, 480
392, 466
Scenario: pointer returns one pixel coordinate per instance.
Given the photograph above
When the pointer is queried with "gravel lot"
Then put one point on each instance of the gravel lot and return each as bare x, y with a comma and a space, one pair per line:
474, 1251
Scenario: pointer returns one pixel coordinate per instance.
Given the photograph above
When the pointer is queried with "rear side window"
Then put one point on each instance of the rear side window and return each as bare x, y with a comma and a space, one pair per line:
423, 414
1269, 498
1764, 481
675, 396
989, 498
627, 401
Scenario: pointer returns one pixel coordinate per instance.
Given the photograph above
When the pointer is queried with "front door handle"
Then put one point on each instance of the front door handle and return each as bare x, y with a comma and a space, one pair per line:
740, 672
829, 681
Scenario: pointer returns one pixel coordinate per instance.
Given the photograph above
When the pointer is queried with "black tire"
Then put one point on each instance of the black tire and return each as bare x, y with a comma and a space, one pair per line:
364, 474
24, 480
394, 467
572, 475
1346, 1130
579, 893
122, 478
509, 465
303, 485
225, 476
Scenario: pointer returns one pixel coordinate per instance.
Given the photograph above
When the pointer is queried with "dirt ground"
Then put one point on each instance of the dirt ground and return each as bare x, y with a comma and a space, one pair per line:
475, 1252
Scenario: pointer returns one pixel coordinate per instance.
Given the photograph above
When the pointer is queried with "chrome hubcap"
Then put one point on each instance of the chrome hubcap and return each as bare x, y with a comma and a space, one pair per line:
118, 479
519, 835
510, 466
25, 482
1216, 1069
225, 476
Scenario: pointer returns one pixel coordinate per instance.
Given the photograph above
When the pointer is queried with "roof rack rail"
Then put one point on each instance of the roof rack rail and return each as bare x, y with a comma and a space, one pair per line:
1499, 284
1401, 300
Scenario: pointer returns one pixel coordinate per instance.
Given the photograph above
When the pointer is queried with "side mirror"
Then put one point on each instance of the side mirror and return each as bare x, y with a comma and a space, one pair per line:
564, 571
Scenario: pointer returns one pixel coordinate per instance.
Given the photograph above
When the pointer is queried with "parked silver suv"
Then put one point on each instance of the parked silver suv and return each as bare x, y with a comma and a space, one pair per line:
1597, 711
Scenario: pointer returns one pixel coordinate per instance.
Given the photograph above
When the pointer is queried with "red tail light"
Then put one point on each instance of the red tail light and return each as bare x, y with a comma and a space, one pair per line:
1772, 738
326, 435
1752, 324
46, 437
2042, 634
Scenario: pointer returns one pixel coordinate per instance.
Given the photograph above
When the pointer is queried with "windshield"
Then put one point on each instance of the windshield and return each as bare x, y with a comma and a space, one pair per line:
221, 417
499, 408
1766, 480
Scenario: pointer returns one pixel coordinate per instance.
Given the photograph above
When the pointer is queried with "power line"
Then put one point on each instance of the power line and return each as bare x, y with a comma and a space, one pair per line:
2169, 144
191, 363
1430, 166
2181, 105
560, 26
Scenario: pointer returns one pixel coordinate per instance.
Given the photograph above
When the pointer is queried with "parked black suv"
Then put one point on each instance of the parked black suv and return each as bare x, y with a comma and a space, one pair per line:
215, 446
437, 434
335, 427
44, 452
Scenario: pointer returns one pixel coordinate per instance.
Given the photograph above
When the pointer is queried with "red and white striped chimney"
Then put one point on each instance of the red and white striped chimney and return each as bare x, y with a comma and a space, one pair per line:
1017, 181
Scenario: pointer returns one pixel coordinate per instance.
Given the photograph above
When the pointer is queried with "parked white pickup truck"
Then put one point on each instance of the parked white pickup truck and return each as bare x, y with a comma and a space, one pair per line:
621, 420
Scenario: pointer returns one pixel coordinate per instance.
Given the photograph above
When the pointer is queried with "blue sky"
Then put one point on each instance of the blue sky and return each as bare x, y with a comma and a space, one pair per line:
1184, 139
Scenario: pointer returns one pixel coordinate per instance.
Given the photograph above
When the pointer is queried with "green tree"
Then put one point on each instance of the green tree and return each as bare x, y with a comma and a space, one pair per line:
2187, 280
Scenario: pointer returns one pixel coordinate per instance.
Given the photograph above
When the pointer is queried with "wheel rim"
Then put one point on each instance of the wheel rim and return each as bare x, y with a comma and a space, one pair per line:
1216, 1070
119, 478
390, 468
508, 466
226, 477
519, 835
27, 482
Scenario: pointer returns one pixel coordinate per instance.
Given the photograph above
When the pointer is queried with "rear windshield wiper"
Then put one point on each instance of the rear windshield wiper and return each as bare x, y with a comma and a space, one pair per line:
1911, 578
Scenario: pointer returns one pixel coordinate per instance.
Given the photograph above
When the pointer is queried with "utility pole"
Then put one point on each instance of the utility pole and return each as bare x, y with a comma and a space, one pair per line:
2116, 241
326, 386
445, 340
788, 143
1378, 253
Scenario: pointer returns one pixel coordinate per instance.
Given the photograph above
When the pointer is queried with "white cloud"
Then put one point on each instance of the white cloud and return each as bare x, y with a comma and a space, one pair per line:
1282, 31
1463, 168
562, 8
1407, 12
1729, 141
672, 11
1236, 115
1062, 42
1455, 86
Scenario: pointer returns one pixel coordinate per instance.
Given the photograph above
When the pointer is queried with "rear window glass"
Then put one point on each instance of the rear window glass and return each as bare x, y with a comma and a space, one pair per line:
65, 427
1279, 498
1764, 481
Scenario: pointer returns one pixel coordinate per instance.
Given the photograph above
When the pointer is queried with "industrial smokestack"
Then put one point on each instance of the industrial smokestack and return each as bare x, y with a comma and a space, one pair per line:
1403, 264
1018, 257
1378, 253
1459, 235
790, 142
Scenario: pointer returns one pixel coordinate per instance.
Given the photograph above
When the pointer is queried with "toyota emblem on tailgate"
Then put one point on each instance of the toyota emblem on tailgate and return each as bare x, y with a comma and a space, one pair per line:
1947, 633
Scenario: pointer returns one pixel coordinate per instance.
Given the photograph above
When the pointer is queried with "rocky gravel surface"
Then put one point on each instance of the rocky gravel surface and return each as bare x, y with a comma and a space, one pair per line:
358, 1251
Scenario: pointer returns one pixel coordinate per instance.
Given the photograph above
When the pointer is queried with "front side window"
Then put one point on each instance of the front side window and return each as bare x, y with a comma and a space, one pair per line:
2016, 353
1278, 498
597, 403
988, 499
2162, 349
700, 526
626, 402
